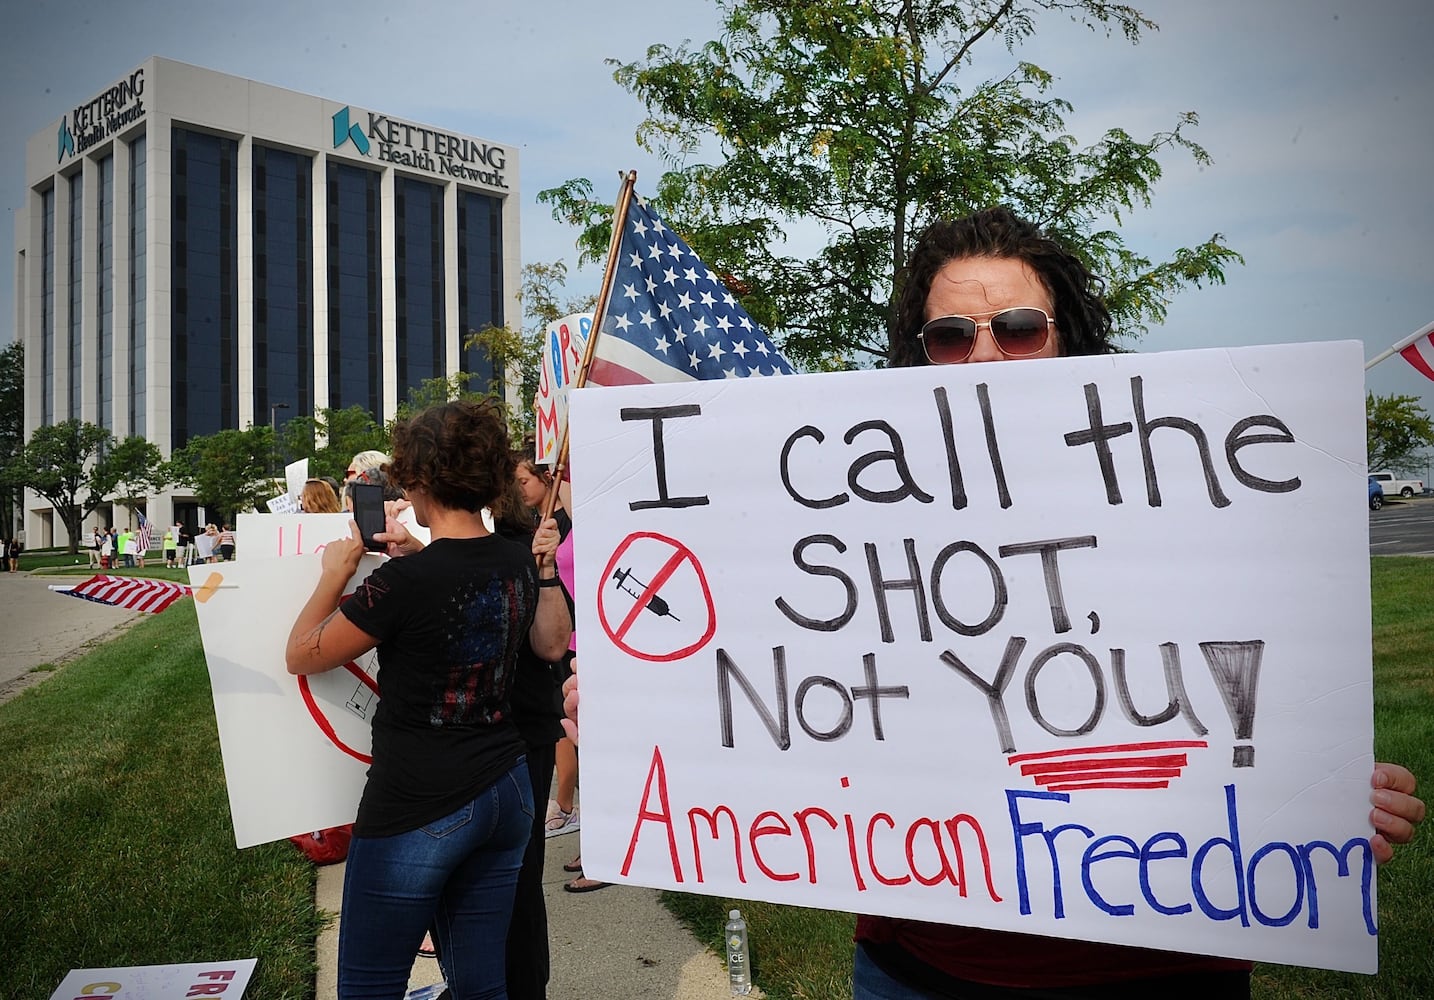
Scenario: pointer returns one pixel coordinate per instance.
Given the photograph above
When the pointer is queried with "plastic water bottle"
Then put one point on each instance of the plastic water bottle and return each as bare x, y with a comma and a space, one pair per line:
739, 971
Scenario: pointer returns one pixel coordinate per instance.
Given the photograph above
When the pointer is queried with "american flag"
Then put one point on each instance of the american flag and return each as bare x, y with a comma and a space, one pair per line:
1419, 351
142, 539
670, 319
132, 593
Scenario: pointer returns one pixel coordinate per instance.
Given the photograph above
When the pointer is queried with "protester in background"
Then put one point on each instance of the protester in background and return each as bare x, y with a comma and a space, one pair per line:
125, 549
13, 548
444, 817
107, 550
167, 546
226, 544
205, 542
364, 462
97, 538
562, 811
318, 498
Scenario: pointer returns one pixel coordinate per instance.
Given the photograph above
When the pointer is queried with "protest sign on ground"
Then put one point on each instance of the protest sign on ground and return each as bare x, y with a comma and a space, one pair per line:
1076, 647
160, 982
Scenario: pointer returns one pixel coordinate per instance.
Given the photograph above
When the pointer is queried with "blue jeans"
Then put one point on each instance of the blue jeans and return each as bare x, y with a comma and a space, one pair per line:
457, 874
868, 982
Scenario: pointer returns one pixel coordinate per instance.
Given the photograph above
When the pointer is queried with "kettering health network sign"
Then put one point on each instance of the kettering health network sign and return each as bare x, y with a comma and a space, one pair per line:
107, 113
419, 147
1076, 647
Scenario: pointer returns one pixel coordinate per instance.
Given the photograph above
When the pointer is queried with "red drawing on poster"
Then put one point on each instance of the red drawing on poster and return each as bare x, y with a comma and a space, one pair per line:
645, 574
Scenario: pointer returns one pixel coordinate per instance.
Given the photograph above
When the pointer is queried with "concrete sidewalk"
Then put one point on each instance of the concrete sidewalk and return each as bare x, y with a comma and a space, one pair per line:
616, 942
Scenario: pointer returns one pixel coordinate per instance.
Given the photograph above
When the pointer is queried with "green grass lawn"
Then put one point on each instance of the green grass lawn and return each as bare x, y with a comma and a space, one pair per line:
806, 954
115, 842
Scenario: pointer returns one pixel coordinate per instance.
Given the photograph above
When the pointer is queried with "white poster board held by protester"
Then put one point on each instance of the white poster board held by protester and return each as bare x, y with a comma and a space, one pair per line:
296, 749
1075, 647
275, 536
160, 982
296, 474
563, 344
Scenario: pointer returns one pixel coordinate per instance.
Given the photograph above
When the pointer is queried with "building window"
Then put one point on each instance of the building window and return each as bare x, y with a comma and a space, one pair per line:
105, 294
421, 347
205, 281
47, 310
355, 289
138, 287
283, 280
480, 277
76, 289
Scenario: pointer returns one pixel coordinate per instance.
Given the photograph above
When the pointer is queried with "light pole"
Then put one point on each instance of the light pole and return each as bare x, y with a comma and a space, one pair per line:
274, 430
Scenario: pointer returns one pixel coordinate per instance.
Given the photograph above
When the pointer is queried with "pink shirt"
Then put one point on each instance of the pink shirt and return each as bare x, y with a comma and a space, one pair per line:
564, 558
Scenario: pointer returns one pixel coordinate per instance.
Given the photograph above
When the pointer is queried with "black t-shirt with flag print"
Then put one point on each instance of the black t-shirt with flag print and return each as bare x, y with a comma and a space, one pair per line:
450, 622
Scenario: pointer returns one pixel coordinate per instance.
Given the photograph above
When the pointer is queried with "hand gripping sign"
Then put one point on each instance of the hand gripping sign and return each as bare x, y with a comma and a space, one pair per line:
1076, 648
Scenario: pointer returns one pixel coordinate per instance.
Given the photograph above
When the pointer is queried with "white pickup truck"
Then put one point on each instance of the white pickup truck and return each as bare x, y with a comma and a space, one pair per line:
1397, 487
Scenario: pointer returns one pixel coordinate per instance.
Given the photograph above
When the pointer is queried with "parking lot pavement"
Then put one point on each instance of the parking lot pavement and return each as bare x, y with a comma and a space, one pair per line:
42, 626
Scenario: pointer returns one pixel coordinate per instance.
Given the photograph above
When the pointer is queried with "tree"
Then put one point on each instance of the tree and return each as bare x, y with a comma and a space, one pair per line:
131, 471
12, 422
228, 470
344, 434
60, 462
1398, 430
856, 117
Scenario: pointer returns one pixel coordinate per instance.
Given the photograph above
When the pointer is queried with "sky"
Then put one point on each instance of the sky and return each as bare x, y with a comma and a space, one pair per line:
1316, 113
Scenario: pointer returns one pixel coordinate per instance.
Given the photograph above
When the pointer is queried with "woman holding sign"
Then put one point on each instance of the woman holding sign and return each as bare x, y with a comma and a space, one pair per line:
445, 815
992, 287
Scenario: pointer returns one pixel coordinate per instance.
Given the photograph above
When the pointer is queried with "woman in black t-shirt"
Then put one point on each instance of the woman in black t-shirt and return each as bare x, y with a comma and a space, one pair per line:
445, 815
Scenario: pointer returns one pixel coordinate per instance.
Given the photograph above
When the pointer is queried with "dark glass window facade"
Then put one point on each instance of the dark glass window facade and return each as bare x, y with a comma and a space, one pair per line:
420, 345
138, 286
105, 295
75, 281
47, 309
283, 280
355, 291
480, 277
205, 279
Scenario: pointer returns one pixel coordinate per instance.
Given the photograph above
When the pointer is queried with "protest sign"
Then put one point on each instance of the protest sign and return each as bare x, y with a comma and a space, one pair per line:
563, 344
295, 749
160, 982
295, 475
1076, 647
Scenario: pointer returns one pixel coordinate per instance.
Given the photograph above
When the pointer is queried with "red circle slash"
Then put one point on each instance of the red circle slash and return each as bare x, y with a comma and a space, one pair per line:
681, 555
322, 721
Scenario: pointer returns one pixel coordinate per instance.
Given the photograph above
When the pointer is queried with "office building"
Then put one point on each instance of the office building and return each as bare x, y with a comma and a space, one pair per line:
197, 251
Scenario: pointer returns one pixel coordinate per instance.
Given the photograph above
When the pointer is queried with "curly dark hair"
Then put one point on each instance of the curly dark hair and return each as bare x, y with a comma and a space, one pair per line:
1082, 320
455, 452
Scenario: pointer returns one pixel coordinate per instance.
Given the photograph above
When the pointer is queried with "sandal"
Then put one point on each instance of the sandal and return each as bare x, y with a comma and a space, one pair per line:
584, 885
560, 820
575, 866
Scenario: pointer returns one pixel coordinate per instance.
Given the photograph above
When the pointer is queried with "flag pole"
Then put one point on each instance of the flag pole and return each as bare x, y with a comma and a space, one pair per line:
1423, 331
619, 215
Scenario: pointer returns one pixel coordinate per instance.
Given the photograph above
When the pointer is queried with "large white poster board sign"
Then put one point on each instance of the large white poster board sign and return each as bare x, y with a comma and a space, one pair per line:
1077, 648
296, 749
159, 982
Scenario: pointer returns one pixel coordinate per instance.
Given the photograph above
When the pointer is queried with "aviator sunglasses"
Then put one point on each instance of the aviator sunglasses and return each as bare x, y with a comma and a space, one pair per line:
1019, 333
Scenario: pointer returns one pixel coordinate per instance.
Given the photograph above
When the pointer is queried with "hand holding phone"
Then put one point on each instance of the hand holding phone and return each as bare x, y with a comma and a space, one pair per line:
368, 513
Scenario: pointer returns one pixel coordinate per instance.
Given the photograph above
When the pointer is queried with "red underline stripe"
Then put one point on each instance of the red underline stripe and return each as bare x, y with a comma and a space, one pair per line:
1153, 772
1108, 784
1093, 763
1112, 748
